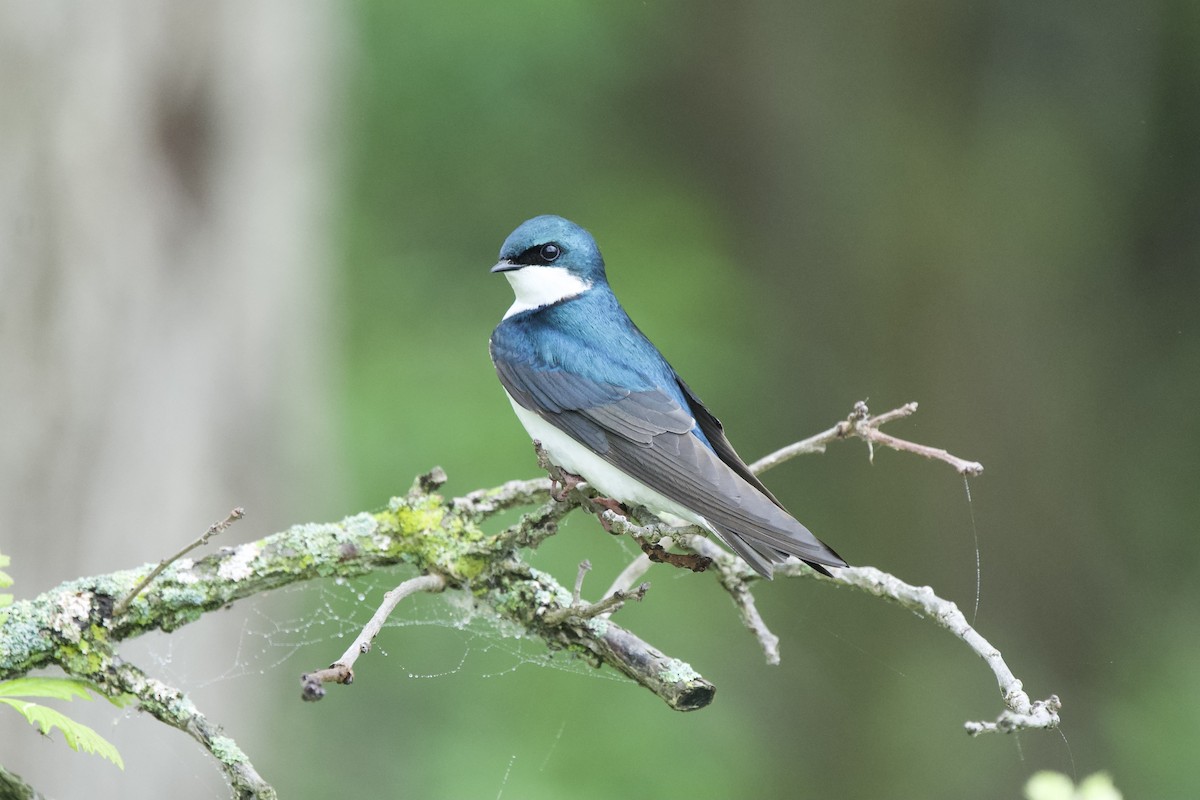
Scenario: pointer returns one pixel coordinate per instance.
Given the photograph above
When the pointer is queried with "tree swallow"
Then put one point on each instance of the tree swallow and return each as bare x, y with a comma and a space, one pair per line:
605, 404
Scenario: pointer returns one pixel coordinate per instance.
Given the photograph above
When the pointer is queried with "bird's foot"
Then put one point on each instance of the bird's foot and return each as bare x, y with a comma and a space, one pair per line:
562, 483
608, 504
660, 555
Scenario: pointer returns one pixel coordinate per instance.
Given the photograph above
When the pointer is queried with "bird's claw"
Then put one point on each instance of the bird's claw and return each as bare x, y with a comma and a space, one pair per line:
562, 483
608, 504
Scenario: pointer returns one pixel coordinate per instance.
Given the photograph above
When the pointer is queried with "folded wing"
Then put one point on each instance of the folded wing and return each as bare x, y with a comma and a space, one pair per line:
650, 436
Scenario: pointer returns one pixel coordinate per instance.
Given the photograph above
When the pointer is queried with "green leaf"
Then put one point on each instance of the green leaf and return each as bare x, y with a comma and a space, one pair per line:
58, 688
5, 581
1049, 785
77, 736
5, 578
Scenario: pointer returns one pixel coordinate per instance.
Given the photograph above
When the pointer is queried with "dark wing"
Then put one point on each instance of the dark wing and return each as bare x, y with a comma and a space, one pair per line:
648, 435
714, 431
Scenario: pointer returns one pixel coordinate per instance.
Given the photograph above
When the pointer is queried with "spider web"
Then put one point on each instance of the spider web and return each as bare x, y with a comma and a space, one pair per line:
308, 626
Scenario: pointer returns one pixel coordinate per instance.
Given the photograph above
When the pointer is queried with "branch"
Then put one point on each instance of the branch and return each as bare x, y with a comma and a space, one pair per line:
1021, 713
736, 577
861, 425
68, 625
342, 670
170, 705
78, 625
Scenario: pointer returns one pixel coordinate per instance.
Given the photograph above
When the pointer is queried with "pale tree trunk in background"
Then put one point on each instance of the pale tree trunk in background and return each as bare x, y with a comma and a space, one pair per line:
164, 269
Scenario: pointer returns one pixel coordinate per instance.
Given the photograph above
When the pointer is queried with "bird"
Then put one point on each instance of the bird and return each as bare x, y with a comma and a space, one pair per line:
603, 403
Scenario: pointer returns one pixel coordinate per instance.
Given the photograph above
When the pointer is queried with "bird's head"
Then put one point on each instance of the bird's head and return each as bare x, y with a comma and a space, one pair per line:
548, 259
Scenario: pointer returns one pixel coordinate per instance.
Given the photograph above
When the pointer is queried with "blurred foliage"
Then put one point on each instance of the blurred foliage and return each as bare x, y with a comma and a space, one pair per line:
1048, 785
988, 208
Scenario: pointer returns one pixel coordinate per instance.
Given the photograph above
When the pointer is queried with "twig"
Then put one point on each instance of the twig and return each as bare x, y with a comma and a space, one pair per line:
1022, 713
170, 705
1042, 714
585, 567
735, 579
576, 612
629, 576
860, 424
733, 575
342, 671
513, 494
217, 527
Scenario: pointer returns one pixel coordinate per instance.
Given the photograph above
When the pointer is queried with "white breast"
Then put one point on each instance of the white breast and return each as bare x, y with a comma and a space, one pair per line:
607, 479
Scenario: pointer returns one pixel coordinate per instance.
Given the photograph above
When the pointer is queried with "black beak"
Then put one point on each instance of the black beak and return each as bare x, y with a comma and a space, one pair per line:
505, 266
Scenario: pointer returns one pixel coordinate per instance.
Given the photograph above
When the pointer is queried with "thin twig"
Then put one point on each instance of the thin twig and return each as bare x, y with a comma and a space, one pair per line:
735, 579
217, 527
861, 425
608, 605
1022, 712
585, 567
733, 575
1041, 714
342, 671
629, 576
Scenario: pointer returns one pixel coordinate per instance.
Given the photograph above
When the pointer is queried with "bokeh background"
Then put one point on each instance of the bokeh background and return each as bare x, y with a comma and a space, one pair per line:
243, 260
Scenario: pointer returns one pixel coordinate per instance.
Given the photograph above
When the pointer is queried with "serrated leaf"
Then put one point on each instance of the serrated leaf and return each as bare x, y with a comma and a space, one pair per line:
58, 688
79, 737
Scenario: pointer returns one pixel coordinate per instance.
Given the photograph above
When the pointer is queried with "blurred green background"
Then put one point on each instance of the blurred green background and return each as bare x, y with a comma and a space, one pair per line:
992, 209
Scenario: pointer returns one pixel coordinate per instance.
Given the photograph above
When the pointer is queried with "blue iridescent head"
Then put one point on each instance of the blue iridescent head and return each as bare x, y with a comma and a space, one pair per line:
555, 243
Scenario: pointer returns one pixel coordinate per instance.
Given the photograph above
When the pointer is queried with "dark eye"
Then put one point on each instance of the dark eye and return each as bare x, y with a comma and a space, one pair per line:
549, 252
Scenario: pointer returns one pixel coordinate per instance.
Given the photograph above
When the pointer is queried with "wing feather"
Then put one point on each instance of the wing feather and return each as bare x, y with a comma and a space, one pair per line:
648, 435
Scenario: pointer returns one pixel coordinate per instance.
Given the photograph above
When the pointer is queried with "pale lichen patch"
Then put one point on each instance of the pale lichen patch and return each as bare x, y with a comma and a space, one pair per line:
360, 525
73, 610
676, 671
237, 566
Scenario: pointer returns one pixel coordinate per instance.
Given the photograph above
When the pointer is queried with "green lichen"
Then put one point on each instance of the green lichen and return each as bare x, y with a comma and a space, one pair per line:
227, 750
83, 659
417, 518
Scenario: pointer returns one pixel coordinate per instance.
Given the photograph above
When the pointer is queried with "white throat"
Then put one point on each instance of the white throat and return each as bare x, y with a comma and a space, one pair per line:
537, 286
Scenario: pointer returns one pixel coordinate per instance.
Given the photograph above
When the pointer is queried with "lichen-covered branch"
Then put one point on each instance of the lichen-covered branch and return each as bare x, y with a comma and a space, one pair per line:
79, 625
170, 705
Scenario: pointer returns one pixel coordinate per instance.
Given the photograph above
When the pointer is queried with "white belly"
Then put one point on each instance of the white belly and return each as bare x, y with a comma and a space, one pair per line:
607, 479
